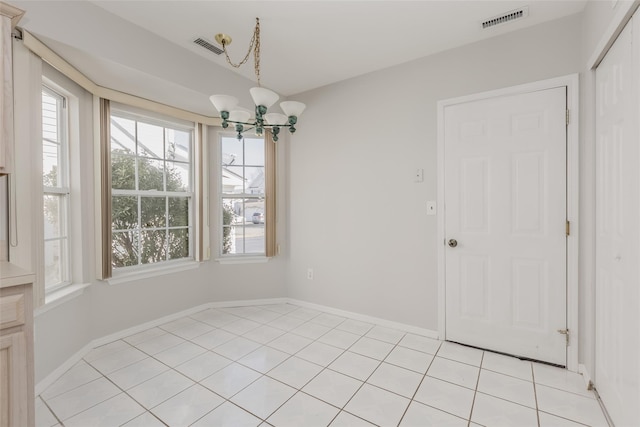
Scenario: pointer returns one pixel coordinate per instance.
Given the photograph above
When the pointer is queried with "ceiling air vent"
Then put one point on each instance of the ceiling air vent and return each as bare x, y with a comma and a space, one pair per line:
523, 12
205, 44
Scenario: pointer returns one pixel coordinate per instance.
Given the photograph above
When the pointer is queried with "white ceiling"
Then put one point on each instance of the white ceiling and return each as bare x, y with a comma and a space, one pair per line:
305, 44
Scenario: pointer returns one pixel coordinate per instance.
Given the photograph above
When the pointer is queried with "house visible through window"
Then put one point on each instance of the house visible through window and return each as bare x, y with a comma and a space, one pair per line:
152, 190
242, 195
55, 181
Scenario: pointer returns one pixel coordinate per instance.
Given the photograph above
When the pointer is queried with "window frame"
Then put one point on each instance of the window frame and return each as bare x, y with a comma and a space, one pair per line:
222, 196
62, 190
148, 117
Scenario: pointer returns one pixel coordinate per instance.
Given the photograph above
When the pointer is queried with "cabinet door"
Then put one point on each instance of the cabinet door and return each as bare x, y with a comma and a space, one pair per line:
13, 380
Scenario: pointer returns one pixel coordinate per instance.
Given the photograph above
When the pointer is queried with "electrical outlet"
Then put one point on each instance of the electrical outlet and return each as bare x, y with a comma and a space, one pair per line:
310, 273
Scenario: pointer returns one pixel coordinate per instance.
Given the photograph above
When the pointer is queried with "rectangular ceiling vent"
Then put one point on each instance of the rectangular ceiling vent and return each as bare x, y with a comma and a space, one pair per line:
513, 15
205, 44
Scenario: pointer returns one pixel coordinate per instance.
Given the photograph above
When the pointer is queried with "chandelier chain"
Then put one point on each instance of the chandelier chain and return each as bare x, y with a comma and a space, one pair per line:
253, 46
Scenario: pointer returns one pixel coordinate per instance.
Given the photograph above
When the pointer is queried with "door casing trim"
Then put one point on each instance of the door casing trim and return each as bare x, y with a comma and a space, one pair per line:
571, 82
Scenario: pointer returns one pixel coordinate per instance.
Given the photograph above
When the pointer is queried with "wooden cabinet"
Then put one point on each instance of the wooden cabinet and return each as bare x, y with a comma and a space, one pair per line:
9, 17
16, 347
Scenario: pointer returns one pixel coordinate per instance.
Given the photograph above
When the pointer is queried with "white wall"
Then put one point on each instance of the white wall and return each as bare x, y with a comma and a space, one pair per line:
596, 18
356, 215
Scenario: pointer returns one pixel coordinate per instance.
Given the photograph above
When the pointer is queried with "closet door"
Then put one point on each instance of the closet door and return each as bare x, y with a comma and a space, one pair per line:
617, 372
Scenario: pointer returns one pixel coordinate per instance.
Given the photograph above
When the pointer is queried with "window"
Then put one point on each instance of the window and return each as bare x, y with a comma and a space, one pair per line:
151, 190
242, 195
55, 181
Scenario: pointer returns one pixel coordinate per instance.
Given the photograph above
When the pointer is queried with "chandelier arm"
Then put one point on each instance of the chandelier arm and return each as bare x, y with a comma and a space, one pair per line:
241, 123
265, 125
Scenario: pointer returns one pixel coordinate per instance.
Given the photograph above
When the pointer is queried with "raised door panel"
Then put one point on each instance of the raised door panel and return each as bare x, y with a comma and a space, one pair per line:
474, 203
530, 289
474, 289
13, 380
528, 208
12, 311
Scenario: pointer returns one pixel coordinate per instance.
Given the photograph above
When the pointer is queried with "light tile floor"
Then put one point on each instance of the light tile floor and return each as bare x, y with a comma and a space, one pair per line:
284, 365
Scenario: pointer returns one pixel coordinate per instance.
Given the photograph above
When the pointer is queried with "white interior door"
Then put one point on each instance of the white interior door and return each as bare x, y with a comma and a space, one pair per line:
617, 372
505, 206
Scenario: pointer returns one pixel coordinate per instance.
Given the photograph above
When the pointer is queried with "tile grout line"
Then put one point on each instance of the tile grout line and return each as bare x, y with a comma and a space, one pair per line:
225, 399
370, 375
426, 374
324, 368
51, 411
535, 394
419, 385
265, 374
139, 403
275, 379
86, 409
103, 375
363, 335
475, 392
365, 381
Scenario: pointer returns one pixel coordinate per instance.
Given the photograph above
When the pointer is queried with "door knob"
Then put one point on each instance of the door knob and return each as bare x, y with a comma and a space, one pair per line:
453, 243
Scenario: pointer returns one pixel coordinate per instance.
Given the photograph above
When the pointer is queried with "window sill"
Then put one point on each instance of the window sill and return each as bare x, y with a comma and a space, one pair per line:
60, 296
243, 260
145, 273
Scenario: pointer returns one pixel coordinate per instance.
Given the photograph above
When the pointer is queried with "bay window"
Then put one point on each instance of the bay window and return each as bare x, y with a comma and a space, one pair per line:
151, 190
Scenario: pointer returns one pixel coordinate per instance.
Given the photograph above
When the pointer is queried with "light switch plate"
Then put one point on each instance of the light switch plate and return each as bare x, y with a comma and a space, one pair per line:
419, 175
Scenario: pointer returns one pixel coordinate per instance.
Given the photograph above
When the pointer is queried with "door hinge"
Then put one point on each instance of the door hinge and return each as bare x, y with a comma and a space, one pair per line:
567, 116
568, 228
565, 332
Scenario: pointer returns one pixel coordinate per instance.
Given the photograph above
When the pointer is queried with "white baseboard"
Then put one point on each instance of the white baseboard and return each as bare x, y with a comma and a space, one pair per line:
239, 303
369, 319
75, 358
586, 376
57, 373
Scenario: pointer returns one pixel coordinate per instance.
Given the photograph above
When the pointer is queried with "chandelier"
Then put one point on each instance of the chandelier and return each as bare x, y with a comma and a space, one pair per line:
263, 99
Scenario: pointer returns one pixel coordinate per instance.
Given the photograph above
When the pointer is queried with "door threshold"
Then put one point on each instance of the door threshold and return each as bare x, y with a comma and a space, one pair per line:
527, 359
